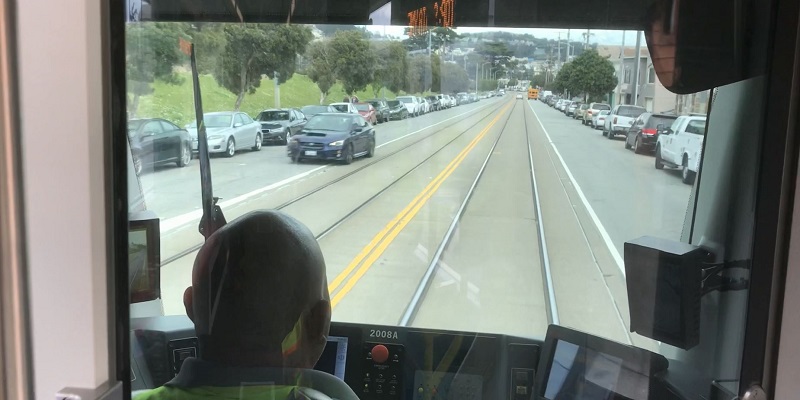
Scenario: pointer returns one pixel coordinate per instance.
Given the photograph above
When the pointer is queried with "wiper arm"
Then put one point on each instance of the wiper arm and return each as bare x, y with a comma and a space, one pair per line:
212, 214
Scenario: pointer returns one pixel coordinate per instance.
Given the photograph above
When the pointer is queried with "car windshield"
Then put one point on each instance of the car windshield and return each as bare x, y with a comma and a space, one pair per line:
416, 232
698, 127
134, 125
329, 123
273, 116
656, 120
631, 112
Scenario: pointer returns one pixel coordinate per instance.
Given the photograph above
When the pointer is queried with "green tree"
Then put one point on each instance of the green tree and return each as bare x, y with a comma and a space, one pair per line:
436, 73
254, 50
592, 74
391, 66
564, 82
454, 78
209, 43
420, 76
538, 80
354, 60
321, 68
152, 53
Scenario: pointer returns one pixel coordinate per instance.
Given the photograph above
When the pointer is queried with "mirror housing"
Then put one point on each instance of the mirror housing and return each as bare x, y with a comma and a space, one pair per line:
237, 124
357, 129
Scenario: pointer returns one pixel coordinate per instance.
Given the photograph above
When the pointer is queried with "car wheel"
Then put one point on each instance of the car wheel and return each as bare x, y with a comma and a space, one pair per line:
687, 176
347, 157
286, 138
371, 150
185, 156
627, 144
659, 164
637, 145
257, 145
231, 149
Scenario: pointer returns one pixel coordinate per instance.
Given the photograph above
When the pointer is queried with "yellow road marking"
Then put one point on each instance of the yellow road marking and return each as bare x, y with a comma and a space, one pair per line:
381, 241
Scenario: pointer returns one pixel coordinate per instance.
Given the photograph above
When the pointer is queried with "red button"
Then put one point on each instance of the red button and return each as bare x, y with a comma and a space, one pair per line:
380, 354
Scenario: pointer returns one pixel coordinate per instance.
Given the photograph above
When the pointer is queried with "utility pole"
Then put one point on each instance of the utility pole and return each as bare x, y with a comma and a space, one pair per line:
559, 49
621, 70
636, 68
476, 78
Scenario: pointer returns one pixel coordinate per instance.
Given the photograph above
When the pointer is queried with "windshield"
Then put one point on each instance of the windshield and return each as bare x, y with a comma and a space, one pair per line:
415, 228
329, 123
213, 121
134, 125
273, 116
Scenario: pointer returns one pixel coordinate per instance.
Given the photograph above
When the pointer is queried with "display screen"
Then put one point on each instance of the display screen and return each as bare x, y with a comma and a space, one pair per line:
578, 372
334, 358
143, 261
447, 385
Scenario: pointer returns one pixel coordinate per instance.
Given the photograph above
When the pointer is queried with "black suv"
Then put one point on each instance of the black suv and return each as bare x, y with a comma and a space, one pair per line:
643, 134
382, 111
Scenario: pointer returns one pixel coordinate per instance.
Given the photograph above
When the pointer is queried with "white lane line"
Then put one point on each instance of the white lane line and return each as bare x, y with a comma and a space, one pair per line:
603, 233
192, 216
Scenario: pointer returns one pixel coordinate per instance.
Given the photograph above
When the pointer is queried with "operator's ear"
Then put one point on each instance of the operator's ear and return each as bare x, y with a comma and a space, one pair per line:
188, 302
318, 322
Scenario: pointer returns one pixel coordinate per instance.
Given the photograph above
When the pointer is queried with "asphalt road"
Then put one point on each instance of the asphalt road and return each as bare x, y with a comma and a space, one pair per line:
380, 221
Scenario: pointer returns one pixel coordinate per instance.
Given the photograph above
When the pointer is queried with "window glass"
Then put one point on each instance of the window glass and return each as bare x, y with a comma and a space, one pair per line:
239, 119
153, 127
168, 127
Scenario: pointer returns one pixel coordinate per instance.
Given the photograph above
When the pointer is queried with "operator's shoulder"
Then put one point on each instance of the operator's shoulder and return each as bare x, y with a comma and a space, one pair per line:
174, 393
162, 393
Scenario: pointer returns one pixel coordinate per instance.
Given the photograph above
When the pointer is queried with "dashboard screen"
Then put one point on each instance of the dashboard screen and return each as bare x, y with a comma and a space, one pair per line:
578, 372
334, 358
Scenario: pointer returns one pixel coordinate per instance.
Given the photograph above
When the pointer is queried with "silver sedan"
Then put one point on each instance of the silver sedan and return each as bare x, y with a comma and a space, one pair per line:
227, 132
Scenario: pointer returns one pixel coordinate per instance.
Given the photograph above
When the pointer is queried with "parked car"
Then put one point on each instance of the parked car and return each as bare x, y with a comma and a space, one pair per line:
412, 105
228, 132
562, 105
594, 109
397, 109
348, 108
424, 104
519, 96
571, 108
367, 111
278, 124
436, 105
335, 136
156, 141
643, 135
312, 110
580, 111
681, 145
599, 119
381, 108
620, 119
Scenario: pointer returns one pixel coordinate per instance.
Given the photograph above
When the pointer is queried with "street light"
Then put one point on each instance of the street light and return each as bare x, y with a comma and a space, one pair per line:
487, 62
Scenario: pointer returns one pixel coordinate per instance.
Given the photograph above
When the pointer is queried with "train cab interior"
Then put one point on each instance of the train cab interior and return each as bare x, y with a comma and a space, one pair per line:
97, 249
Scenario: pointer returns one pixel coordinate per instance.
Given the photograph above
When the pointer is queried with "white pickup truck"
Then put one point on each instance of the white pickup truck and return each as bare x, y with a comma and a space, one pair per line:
620, 119
681, 145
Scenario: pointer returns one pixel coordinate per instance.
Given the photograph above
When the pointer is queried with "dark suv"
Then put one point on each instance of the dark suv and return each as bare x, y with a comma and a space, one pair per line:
381, 109
642, 135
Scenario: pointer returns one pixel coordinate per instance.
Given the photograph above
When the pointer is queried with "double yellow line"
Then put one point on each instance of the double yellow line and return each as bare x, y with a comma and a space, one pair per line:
369, 254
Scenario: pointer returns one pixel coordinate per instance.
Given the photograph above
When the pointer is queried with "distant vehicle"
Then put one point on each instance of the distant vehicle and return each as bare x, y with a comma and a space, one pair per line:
155, 141
424, 104
397, 109
502, 92
680, 145
533, 94
334, 136
573, 106
643, 135
381, 108
599, 119
412, 105
228, 132
580, 112
519, 96
348, 108
312, 110
436, 105
277, 125
593, 109
545, 94
367, 111
462, 98
620, 119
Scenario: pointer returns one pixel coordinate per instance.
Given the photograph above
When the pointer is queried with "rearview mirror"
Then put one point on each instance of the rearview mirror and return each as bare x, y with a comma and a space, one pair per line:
357, 129
148, 133
238, 124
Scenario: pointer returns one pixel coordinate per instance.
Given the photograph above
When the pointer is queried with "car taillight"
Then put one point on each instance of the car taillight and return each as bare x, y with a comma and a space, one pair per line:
649, 131
615, 120
589, 112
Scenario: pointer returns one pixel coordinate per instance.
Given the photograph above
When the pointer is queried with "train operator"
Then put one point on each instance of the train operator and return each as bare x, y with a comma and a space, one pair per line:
261, 310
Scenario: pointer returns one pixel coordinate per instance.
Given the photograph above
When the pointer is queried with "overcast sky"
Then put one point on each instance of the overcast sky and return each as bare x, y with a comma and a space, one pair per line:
382, 16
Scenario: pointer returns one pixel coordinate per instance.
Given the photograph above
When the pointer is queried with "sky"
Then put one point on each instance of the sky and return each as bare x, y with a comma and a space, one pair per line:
382, 16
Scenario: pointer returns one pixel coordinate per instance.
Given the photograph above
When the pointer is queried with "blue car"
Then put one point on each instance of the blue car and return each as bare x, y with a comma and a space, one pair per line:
333, 137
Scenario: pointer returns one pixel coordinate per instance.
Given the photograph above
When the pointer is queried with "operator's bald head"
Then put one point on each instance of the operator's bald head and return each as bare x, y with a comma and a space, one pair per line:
259, 294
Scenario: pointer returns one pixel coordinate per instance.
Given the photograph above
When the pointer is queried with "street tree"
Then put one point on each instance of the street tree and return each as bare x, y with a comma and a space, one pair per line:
391, 66
354, 60
588, 74
420, 75
209, 43
254, 50
152, 54
454, 78
321, 67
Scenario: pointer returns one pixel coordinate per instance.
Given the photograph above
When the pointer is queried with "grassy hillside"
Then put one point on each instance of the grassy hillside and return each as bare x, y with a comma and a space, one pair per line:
175, 102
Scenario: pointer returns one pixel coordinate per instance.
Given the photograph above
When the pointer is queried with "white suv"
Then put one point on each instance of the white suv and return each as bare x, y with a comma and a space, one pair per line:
681, 145
412, 105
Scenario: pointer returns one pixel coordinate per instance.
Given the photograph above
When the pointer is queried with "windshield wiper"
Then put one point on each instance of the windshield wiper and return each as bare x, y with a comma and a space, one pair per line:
212, 214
